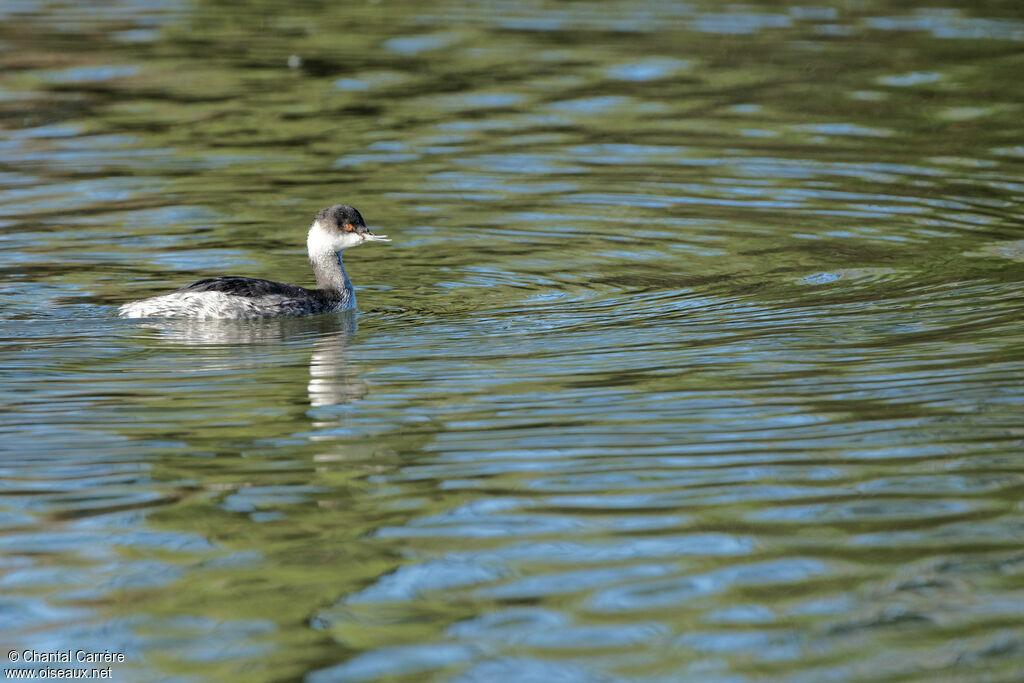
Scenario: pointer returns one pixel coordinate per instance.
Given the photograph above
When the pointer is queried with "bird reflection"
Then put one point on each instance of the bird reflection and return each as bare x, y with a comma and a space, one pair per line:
330, 382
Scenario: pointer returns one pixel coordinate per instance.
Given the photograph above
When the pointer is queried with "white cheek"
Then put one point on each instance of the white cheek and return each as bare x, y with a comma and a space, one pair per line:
320, 240
346, 240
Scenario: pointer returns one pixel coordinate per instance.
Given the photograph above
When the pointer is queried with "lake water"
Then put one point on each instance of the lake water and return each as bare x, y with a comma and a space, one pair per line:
697, 355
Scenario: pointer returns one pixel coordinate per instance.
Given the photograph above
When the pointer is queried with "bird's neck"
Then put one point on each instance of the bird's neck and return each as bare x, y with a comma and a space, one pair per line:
331, 277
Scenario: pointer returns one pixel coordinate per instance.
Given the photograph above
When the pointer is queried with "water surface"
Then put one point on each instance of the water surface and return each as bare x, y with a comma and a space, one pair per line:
697, 354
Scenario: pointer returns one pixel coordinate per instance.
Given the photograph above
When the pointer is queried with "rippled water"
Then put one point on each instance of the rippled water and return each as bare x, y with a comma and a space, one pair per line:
697, 354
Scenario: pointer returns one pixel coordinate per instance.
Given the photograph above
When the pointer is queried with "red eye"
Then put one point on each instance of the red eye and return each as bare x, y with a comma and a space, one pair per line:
347, 227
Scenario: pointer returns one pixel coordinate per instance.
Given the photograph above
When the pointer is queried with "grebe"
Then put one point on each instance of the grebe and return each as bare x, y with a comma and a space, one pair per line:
334, 229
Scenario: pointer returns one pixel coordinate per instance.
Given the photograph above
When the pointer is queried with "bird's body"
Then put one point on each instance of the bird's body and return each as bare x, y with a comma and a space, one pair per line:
239, 298
333, 230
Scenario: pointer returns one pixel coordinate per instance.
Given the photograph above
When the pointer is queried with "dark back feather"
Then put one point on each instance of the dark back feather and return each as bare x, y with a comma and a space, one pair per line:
246, 286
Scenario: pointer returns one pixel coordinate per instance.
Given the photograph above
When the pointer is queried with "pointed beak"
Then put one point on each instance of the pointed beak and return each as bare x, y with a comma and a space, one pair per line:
370, 237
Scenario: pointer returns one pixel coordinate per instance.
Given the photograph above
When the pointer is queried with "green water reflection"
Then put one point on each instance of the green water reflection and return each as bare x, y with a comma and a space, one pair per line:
697, 354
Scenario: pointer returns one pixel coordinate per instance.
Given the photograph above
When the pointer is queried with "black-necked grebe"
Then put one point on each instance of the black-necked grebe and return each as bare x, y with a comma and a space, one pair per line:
333, 230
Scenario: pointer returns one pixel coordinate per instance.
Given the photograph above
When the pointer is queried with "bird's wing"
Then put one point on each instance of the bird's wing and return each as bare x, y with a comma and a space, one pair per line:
245, 286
